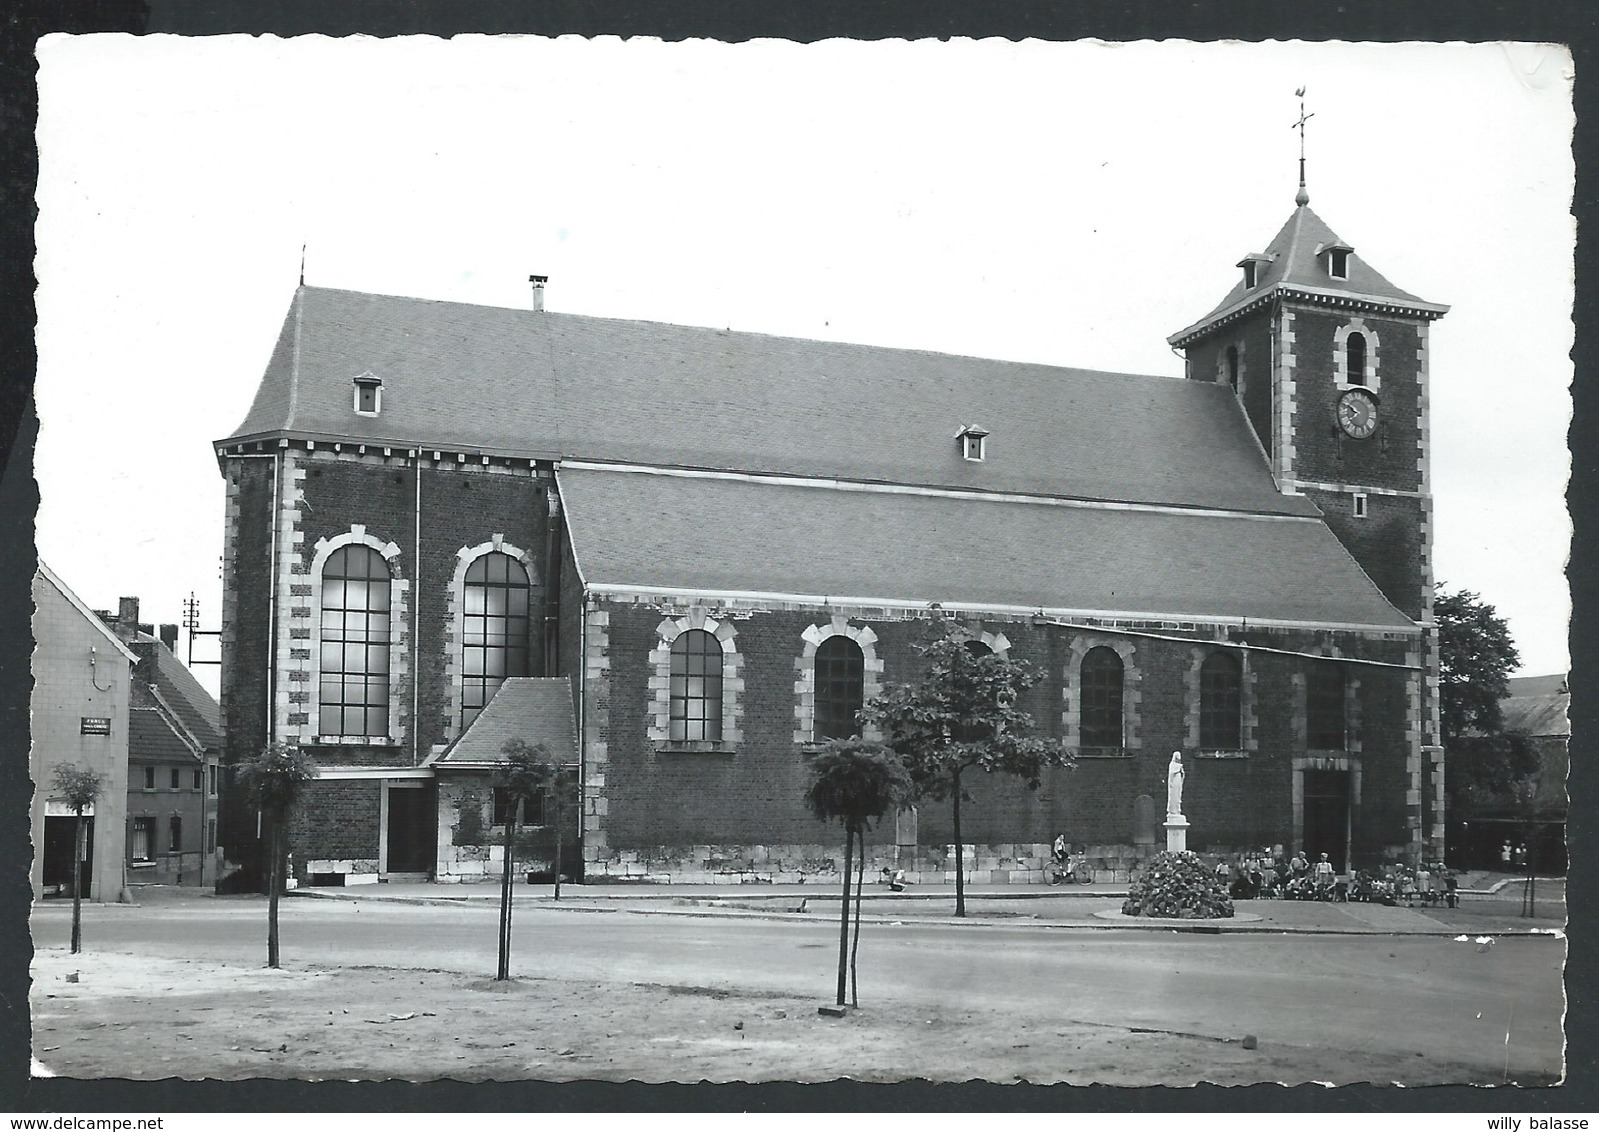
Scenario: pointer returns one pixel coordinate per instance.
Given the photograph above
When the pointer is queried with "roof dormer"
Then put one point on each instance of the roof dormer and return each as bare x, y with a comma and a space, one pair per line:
368, 397
1335, 258
973, 442
1254, 265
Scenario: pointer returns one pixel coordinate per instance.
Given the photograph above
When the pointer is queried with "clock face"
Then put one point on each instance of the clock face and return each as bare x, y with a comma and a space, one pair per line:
1357, 413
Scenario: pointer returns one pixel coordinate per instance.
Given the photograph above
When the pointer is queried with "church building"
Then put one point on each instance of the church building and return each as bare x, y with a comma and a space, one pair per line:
681, 557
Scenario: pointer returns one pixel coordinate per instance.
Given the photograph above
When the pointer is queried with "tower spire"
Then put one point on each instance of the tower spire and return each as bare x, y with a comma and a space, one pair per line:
1302, 197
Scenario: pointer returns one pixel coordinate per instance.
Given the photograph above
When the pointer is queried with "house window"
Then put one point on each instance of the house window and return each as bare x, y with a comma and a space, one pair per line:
532, 808
1220, 702
141, 839
176, 777
211, 776
840, 687
354, 692
1324, 706
696, 688
199, 779
176, 828
149, 778
1101, 722
1355, 358
494, 642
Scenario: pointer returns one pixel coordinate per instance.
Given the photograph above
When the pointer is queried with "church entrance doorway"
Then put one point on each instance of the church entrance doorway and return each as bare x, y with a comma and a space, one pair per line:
1326, 817
412, 833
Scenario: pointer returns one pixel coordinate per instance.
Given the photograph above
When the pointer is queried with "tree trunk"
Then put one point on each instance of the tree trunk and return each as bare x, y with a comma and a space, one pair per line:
512, 821
557, 852
78, 840
274, 883
843, 919
860, 875
960, 852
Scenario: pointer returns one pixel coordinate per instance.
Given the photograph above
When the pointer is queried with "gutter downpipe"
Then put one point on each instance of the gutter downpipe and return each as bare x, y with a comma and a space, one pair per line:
416, 612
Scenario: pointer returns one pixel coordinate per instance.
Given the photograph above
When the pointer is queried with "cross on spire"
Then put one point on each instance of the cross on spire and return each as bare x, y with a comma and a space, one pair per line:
1302, 198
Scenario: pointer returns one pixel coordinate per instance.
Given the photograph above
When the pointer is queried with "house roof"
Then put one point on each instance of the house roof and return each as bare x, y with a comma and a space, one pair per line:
182, 693
1538, 705
1292, 263
687, 534
533, 709
89, 615
153, 735
550, 386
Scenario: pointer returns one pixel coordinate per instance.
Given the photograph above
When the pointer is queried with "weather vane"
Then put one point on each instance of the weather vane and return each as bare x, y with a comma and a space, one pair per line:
1303, 197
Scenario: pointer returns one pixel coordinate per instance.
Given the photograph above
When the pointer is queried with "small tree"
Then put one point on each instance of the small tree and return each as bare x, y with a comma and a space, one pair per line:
560, 800
80, 787
273, 778
962, 716
856, 783
522, 776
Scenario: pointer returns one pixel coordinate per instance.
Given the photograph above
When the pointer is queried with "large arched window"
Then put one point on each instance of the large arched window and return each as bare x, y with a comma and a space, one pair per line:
840, 687
1324, 706
494, 629
1355, 358
1102, 698
696, 688
1220, 702
354, 693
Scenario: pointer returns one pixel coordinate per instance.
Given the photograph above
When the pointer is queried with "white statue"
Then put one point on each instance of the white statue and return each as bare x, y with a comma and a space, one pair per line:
1174, 786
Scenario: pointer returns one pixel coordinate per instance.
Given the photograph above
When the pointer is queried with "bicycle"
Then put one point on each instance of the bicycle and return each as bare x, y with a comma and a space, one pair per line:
1072, 869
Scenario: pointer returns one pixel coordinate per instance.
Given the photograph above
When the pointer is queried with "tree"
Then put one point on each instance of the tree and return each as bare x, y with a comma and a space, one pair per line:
1476, 658
856, 783
80, 787
273, 778
522, 777
560, 799
962, 716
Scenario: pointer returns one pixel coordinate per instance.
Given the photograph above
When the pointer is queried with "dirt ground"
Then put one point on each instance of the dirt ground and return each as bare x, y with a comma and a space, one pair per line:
197, 1019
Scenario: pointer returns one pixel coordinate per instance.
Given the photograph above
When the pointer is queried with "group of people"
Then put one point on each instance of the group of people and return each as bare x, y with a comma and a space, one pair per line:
1271, 873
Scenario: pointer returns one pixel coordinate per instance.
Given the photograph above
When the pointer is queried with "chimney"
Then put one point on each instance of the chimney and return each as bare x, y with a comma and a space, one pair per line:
538, 282
169, 637
127, 617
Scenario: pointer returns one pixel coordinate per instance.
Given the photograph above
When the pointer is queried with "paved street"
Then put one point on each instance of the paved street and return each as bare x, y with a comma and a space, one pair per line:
1406, 999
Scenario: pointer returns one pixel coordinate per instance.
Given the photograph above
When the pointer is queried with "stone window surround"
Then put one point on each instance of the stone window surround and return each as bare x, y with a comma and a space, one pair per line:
805, 674
455, 615
1341, 356
667, 632
1248, 720
399, 620
1072, 689
997, 643
1302, 763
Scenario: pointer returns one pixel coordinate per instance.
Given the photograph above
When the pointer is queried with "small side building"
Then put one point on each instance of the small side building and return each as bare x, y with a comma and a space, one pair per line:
79, 714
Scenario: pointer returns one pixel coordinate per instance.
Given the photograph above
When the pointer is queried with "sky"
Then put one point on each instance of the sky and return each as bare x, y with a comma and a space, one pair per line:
1064, 203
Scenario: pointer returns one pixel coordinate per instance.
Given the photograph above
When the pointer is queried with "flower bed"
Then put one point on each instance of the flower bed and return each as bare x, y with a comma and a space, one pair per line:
1178, 886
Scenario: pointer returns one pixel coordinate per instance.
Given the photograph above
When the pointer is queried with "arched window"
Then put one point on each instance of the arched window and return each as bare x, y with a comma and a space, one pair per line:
1220, 702
840, 687
1232, 367
354, 694
494, 629
1102, 698
1355, 358
696, 687
1324, 706
979, 648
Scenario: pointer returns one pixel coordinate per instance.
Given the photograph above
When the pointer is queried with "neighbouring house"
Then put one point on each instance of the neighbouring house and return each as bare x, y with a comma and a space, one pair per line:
78, 715
175, 744
702, 551
1538, 707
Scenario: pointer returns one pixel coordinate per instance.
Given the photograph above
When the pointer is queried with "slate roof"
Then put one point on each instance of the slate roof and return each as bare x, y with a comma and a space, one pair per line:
182, 693
1538, 705
534, 709
151, 735
742, 536
1292, 263
550, 385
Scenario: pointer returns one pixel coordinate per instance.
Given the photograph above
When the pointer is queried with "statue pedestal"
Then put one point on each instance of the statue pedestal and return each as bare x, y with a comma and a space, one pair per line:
1176, 833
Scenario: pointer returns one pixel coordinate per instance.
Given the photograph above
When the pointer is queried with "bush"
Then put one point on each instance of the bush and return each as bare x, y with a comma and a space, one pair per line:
1178, 886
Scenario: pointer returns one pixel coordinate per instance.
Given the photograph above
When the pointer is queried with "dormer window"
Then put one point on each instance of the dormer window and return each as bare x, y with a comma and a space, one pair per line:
1252, 265
974, 443
368, 395
1336, 259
